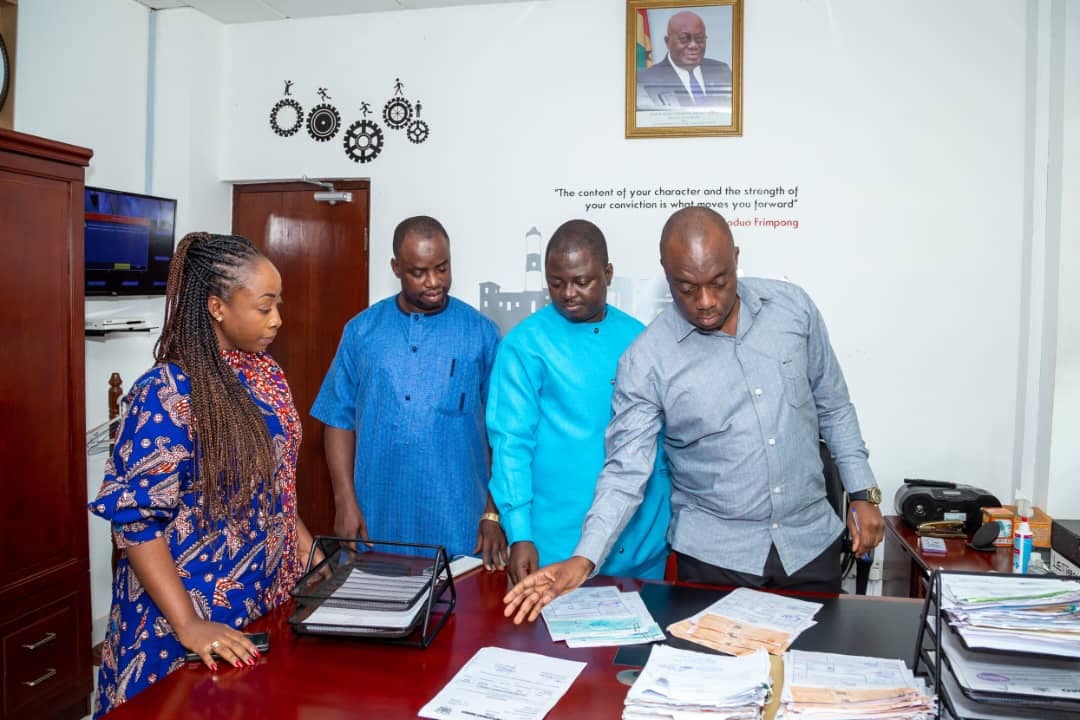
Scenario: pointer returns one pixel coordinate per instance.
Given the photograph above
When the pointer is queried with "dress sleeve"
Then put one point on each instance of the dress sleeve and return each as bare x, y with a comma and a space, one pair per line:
140, 495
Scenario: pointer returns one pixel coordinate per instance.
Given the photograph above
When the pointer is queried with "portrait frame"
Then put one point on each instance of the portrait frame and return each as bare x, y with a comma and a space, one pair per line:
661, 104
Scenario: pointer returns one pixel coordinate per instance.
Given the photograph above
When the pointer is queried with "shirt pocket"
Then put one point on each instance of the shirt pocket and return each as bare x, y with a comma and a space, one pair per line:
796, 383
461, 393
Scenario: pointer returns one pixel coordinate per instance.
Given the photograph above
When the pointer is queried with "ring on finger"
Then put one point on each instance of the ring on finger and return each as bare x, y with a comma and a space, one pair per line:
214, 645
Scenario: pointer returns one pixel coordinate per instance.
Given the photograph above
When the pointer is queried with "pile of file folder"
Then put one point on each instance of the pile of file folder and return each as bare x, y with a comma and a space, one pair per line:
827, 686
1009, 647
685, 684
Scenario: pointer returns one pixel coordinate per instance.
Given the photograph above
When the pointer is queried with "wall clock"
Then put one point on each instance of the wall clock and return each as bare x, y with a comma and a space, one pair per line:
5, 71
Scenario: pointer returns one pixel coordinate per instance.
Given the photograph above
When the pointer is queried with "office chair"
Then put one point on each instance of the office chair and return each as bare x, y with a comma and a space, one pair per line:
834, 490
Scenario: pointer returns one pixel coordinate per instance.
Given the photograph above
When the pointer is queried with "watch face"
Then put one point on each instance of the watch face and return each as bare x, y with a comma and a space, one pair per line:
874, 495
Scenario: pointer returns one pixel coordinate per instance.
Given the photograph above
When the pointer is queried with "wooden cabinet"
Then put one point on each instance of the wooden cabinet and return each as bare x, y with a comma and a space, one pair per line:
44, 559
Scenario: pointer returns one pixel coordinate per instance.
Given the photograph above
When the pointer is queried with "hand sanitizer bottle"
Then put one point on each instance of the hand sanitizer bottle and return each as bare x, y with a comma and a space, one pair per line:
1022, 537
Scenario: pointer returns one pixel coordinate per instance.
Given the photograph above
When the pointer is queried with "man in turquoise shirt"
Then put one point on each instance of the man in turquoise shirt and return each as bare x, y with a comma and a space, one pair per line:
549, 402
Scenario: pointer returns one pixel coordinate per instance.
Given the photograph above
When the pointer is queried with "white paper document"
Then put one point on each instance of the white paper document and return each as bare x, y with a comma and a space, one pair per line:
498, 684
682, 683
598, 616
745, 620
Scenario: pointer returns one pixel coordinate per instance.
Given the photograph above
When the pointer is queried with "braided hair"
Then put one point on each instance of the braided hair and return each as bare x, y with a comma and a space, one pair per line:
234, 454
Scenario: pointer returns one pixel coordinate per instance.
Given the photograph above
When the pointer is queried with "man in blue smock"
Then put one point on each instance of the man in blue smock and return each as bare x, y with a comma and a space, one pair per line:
403, 403
549, 403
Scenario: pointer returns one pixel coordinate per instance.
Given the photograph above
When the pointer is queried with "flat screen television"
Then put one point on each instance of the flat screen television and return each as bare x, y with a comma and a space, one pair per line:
129, 242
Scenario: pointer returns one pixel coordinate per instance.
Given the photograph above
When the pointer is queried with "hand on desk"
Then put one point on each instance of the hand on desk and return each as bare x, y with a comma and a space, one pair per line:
207, 639
491, 545
529, 596
866, 525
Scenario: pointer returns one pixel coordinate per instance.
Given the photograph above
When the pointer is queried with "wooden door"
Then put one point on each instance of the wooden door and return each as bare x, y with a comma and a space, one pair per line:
322, 253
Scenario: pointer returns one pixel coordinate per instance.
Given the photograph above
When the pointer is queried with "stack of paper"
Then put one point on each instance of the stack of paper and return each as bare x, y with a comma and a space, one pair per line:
503, 684
747, 620
595, 616
684, 684
352, 604
1014, 613
826, 686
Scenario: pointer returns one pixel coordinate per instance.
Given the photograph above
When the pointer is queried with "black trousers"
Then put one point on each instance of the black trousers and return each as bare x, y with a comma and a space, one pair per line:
822, 574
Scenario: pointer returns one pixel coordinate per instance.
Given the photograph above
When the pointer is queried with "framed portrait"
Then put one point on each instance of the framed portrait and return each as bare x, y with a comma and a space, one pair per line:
683, 68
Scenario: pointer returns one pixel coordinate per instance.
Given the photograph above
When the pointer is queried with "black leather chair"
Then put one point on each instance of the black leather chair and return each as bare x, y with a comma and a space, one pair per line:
834, 490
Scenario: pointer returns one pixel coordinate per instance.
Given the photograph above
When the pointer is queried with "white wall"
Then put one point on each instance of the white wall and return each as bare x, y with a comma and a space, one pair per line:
83, 80
909, 163
1064, 492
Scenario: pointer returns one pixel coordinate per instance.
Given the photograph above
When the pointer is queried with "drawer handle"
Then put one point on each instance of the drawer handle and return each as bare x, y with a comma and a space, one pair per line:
49, 637
43, 678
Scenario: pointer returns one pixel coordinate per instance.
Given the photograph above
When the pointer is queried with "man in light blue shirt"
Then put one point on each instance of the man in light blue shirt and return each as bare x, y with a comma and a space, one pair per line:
548, 405
403, 404
741, 379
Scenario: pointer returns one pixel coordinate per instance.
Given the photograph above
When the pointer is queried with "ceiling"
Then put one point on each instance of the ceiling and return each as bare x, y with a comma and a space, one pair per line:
245, 11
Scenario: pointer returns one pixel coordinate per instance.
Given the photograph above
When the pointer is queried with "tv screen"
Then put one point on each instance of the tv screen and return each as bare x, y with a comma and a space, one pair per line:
129, 242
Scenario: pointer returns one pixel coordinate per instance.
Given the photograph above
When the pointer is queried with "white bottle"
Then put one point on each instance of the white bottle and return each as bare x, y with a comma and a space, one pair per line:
1022, 537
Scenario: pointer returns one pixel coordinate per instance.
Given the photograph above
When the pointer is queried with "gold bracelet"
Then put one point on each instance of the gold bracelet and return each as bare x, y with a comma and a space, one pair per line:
493, 517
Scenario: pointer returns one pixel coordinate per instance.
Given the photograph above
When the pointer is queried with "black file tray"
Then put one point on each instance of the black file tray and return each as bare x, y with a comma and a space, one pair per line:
933, 662
394, 578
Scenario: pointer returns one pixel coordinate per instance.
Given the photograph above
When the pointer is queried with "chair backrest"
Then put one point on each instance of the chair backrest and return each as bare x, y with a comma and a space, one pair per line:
834, 491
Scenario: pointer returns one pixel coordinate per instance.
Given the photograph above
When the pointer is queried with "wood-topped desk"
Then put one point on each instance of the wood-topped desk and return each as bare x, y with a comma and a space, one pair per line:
906, 570
308, 678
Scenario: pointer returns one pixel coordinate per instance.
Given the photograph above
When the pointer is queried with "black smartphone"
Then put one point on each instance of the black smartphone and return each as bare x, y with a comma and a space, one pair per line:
261, 641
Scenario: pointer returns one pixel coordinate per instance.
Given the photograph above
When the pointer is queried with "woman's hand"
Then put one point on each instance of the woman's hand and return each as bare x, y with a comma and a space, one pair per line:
207, 639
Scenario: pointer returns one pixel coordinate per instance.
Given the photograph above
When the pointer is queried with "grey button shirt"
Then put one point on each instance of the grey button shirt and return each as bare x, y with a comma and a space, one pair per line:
741, 417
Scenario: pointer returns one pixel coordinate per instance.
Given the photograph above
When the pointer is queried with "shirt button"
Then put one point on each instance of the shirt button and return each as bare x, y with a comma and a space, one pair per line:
596, 331
758, 391
414, 348
772, 441
622, 550
415, 317
775, 525
776, 490
408, 397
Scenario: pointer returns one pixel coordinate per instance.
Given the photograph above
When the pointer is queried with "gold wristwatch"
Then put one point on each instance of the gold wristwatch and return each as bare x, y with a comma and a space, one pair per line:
493, 517
870, 495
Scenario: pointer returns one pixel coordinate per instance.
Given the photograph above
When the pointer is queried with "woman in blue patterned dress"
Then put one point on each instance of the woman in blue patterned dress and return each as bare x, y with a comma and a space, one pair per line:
201, 486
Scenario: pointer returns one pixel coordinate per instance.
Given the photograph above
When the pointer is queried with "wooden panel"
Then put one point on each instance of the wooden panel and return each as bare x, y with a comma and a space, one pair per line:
321, 252
44, 574
40, 368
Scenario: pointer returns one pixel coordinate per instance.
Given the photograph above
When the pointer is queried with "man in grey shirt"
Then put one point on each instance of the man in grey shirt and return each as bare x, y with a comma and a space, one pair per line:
740, 377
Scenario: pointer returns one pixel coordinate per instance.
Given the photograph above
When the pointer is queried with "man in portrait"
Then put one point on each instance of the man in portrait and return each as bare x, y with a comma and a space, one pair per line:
685, 78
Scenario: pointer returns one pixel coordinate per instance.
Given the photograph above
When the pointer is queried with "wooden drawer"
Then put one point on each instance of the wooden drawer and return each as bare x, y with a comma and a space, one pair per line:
40, 657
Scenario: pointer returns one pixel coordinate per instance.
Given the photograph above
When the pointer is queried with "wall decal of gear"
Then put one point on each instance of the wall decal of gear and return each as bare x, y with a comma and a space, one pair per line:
323, 122
283, 110
397, 112
363, 141
418, 131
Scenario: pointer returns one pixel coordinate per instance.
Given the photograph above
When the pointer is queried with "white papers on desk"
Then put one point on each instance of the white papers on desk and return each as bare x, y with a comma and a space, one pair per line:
828, 686
972, 710
598, 616
498, 684
745, 620
686, 684
1014, 613
350, 604
355, 617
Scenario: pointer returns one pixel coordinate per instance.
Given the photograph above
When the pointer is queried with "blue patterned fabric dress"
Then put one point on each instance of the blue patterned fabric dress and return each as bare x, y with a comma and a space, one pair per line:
233, 572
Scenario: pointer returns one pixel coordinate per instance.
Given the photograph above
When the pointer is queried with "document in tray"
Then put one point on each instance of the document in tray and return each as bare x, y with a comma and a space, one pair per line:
596, 616
745, 620
341, 615
498, 684
1000, 674
361, 585
972, 710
